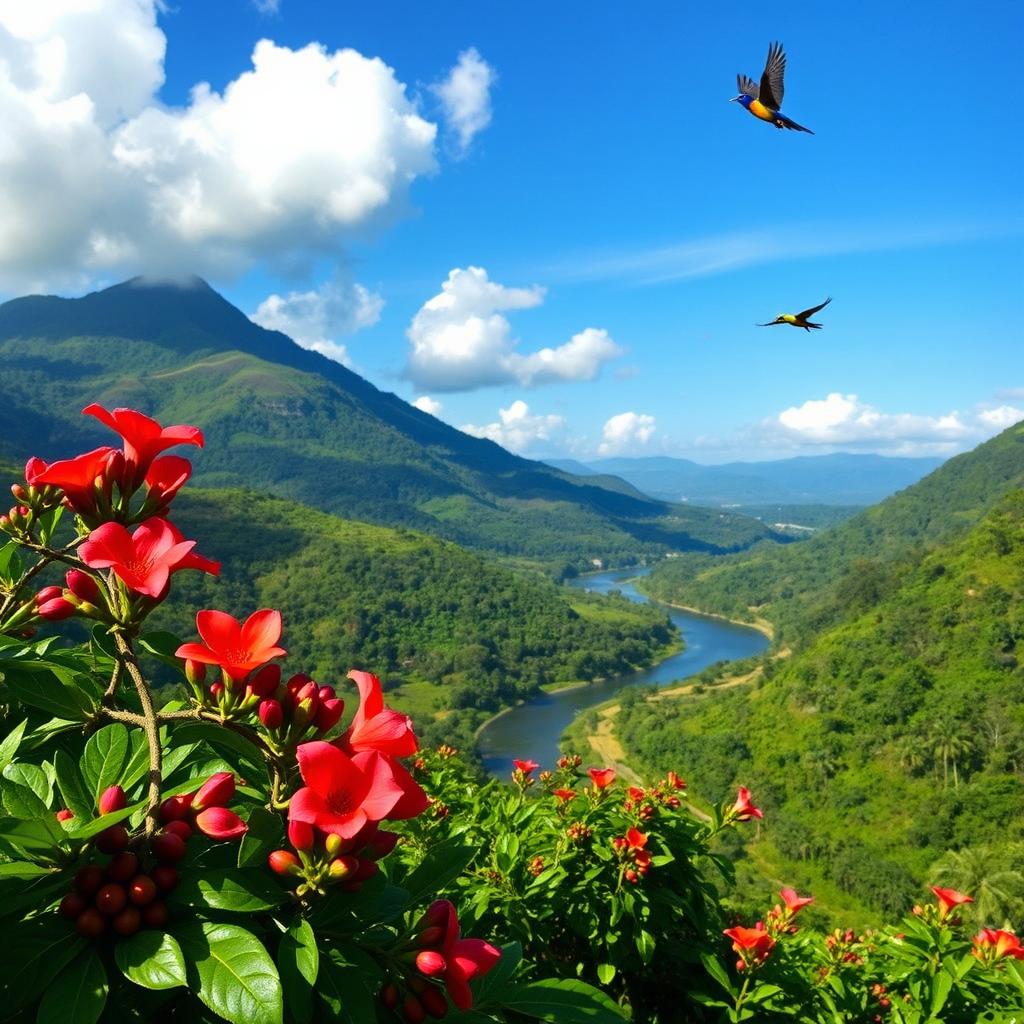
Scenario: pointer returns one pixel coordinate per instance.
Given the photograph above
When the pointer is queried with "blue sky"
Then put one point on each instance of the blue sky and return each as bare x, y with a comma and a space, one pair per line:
588, 164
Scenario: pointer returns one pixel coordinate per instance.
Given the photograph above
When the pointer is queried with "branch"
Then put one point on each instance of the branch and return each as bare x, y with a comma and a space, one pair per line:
49, 556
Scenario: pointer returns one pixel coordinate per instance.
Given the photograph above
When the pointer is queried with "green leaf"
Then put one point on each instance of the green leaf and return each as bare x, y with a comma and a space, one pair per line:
76, 796
104, 757
605, 973
645, 946
34, 954
34, 836
162, 645
563, 1001
78, 994
264, 836
22, 802
232, 973
220, 739
49, 687
499, 975
151, 959
342, 984
88, 829
714, 967
31, 776
378, 901
298, 960
441, 866
244, 891
10, 563
942, 983
48, 523
9, 747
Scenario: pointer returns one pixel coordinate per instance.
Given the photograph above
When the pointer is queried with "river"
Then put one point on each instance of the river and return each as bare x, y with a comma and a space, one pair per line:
533, 730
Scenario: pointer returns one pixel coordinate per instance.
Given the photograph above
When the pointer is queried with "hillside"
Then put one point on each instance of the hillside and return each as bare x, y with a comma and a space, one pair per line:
890, 738
287, 420
836, 479
806, 587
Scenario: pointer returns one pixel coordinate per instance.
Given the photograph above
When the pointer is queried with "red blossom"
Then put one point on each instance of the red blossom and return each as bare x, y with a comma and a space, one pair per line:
744, 809
526, 767
675, 781
994, 944
216, 791
602, 777
635, 839
75, 477
220, 823
564, 794
374, 726
236, 647
948, 899
165, 477
464, 959
794, 902
144, 438
753, 944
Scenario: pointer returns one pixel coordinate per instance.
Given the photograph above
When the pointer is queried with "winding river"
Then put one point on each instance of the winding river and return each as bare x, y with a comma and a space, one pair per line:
533, 730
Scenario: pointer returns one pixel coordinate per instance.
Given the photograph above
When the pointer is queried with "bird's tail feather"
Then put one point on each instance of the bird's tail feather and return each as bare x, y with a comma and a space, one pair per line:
792, 125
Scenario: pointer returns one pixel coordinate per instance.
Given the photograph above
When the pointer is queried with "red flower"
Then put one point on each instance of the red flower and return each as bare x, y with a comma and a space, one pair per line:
341, 793
602, 777
794, 902
220, 823
75, 477
635, 839
143, 560
165, 477
948, 899
753, 944
464, 959
744, 809
675, 781
238, 648
144, 438
375, 727
994, 944
526, 767
564, 794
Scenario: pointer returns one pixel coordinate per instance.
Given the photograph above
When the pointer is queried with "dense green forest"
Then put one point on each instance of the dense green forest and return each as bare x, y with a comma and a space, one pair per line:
888, 739
804, 588
290, 422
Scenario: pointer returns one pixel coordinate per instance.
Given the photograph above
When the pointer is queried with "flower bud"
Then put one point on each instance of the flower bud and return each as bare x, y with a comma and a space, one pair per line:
329, 714
65, 815
296, 683
304, 712
220, 823
55, 610
389, 995
412, 1010
181, 829
335, 845
216, 791
430, 963
271, 714
266, 680
430, 936
326, 693
300, 835
284, 862
195, 672
343, 867
112, 799
176, 808
48, 594
82, 585
216, 689
434, 1002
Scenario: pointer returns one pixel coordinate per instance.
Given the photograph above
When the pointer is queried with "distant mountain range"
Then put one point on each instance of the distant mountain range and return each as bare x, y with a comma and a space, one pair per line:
291, 422
838, 479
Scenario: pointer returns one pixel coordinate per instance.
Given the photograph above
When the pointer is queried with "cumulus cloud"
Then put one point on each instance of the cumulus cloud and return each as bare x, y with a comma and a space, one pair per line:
293, 157
267, 6
840, 420
518, 429
465, 96
461, 340
316, 319
626, 431
428, 405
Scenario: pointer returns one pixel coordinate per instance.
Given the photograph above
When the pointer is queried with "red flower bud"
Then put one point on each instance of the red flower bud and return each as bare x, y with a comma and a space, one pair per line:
284, 862
112, 799
300, 835
266, 680
329, 714
342, 868
389, 995
195, 672
380, 845
296, 683
431, 963
216, 791
82, 585
55, 610
176, 808
48, 594
434, 1002
181, 829
412, 1010
271, 714
65, 815
220, 823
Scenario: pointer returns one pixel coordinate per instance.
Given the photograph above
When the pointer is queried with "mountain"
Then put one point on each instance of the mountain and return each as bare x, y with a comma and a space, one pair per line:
806, 587
889, 738
837, 479
285, 420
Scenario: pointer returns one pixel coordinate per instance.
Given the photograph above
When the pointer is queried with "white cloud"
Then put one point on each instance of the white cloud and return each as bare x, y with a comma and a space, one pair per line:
465, 96
428, 405
293, 157
315, 319
461, 341
518, 429
626, 431
267, 6
1001, 417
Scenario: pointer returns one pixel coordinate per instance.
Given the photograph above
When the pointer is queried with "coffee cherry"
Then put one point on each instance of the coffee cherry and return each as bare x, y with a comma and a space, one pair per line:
123, 866
89, 879
91, 924
166, 878
127, 922
155, 915
142, 890
112, 840
72, 906
110, 900
168, 848
181, 829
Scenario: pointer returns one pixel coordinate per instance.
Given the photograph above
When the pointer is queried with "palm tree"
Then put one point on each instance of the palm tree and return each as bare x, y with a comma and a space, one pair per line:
911, 753
949, 743
986, 874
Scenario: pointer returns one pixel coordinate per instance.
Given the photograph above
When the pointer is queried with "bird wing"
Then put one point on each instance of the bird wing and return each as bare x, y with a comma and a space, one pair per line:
814, 309
747, 86
771, 78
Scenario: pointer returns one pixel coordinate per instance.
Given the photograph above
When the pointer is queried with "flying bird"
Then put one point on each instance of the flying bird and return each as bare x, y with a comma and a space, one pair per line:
764, 101
798, 319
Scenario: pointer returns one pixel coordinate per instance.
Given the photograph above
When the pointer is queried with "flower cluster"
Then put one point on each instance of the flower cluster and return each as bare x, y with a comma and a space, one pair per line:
992, 944
635, 858
754, 945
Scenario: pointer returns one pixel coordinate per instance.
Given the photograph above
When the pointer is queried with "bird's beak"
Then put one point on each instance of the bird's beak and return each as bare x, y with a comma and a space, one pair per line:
774, 323
735, 99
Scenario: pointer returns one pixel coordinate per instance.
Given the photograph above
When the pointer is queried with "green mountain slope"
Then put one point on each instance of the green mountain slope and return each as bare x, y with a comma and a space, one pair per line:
805, 587
887, 740
286, 420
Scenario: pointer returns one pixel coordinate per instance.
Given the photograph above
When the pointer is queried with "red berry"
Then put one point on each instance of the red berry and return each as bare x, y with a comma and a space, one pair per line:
127, 922
142, 890
389, 995
166, 878
175, 808
434, 1003
168, 848
72, 906
181, 829
123, 866
412, 1010
111, 899
155, 915
89, 879
91, 924
112, 840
